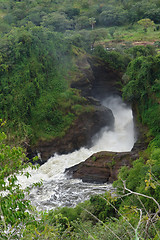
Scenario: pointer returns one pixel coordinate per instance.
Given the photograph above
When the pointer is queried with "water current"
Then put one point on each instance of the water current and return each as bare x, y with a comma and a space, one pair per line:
59, 190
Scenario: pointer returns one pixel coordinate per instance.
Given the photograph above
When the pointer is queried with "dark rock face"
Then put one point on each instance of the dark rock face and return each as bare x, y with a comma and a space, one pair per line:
97, 78
84, 77
102, 167
106, 80
79, 134
140, 132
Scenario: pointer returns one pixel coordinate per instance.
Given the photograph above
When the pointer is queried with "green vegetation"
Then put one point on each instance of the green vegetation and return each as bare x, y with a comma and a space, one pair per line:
33, 65
143, 86
146, 23
40, 43
114, 58
14, 208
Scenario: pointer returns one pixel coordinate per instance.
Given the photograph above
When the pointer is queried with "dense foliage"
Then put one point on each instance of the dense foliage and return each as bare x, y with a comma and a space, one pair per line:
114, 58
76, 14
33, 89
143, 86
14, 207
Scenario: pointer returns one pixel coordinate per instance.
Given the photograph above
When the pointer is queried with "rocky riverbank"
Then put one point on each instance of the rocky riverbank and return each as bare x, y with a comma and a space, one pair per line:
102, 167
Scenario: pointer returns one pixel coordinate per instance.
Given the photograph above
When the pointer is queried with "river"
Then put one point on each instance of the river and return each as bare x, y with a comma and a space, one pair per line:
59, 190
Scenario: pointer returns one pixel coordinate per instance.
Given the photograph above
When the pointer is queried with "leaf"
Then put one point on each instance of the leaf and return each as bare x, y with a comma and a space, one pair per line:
152, 185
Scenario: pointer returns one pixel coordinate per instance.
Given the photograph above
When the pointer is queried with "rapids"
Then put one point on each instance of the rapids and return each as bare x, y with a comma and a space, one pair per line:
57, 189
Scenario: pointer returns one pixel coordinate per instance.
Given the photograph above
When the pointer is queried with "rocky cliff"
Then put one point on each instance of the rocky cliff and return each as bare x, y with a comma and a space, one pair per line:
94, 79
79, 134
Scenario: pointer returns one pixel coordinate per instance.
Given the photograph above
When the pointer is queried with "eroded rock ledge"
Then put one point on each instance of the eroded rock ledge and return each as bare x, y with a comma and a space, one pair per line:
102, 167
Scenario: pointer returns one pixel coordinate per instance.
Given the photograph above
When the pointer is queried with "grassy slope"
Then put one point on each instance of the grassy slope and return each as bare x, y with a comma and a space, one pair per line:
131, 34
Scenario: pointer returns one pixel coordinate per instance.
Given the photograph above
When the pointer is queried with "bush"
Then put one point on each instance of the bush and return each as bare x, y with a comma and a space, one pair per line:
138, 51
113, 17
115, 59
151, 117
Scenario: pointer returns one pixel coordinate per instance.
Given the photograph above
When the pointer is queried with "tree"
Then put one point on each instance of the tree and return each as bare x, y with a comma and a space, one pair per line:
113, 17
138, 10
146, 23
88, 38
82, 22
97, 35
72, 12
92, 21
57, 22
153, 14
35, 15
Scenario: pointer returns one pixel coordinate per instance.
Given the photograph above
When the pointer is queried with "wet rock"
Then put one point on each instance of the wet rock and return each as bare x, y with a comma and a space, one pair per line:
106, 80
102, 167
93, 101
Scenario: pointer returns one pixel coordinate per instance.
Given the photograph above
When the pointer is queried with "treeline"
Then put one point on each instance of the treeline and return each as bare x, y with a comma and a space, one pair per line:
76, 15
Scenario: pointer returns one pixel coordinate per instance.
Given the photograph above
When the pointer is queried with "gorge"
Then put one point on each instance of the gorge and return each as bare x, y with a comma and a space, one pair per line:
114, 144
80, 90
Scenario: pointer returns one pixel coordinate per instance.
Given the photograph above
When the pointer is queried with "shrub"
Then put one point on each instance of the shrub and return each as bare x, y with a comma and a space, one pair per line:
114, 58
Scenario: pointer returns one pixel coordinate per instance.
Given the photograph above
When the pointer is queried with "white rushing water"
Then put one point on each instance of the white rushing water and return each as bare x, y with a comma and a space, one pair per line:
57, 190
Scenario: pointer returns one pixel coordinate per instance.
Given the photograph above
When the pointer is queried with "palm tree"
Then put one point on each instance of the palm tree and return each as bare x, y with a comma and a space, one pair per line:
92, 21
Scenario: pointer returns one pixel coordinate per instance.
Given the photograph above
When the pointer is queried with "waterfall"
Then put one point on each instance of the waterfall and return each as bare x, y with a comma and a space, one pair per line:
58, 190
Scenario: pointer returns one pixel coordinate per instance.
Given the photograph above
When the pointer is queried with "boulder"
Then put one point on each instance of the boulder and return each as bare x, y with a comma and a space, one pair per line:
102, 167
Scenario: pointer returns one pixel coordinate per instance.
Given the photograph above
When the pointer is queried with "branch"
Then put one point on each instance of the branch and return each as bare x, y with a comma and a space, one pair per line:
143, 195
101, 223
121, 214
